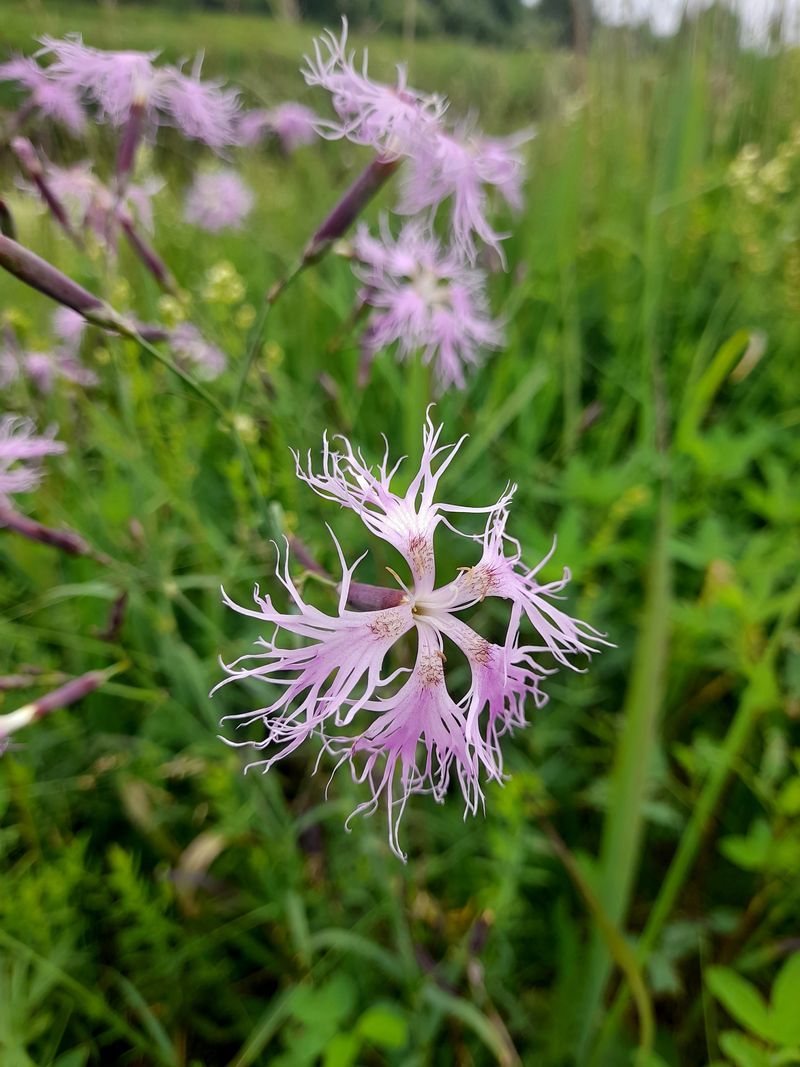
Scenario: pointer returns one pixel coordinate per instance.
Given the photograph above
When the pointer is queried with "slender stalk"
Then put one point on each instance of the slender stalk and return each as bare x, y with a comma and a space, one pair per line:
337, 223
69, 693
66, 540
256, 337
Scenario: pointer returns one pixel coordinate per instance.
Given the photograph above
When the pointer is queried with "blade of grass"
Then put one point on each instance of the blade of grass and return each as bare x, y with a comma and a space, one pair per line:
624, 824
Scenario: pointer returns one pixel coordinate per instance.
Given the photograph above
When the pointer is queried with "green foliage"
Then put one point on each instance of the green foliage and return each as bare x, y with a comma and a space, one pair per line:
157, 906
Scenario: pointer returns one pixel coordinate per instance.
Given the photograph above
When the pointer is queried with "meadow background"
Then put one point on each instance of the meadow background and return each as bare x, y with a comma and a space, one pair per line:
157, 907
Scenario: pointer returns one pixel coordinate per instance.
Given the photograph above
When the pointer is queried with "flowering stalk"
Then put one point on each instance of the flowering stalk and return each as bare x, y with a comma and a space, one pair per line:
349, 207
7, 227
67, 694
39, 274
147, 254
30, 164
66, 540
131, 137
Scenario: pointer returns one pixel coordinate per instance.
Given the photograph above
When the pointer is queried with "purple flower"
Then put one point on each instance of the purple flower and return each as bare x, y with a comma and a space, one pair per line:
399, 729
391, 119
194, 352
218, 200
46, 94
120, 82
424, 299
21, 450
463, 167
293, 124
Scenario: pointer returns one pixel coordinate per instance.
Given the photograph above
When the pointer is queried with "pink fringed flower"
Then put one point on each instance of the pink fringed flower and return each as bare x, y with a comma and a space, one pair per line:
398, 727
21, 452
463, 168
293, 124
194, 352
424, 299
218, 200
391, 119
46, 94
120, 82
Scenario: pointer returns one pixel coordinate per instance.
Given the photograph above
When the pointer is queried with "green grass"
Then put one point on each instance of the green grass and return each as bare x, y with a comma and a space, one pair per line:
157, 907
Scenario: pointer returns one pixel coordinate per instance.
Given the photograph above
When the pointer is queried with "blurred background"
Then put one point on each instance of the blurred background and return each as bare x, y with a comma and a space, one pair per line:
631, 893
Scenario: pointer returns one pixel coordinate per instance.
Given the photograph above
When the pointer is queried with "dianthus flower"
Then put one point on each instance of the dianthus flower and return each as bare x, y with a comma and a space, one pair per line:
195, 353
293, 124
218, 200
391, 119
401, 731
46, 93
424, 299
21, 450
128, 84
462, 167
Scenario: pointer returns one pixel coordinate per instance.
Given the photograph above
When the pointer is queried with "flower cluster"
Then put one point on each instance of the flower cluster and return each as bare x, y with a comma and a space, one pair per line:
399, 728
450, 166
21, 452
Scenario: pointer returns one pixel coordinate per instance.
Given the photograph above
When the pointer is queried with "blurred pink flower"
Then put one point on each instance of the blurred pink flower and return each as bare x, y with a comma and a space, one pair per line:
21, 452
43, 369
402, 732
91, 205
463, 168
195, 353
391, 119
293, 124
118, 82
46, 94
68, 326
218, 200
424, 299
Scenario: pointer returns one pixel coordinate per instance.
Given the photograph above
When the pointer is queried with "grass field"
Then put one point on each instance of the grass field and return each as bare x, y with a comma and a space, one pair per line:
636, 877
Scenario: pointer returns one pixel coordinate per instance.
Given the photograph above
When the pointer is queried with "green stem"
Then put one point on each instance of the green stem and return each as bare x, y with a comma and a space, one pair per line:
267, 304
226, 418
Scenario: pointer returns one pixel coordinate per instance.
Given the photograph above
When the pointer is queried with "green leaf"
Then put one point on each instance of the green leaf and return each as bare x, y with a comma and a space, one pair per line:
751, 853
384, 1026
785, 1014
740, 999
743, 1050
341, 1051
